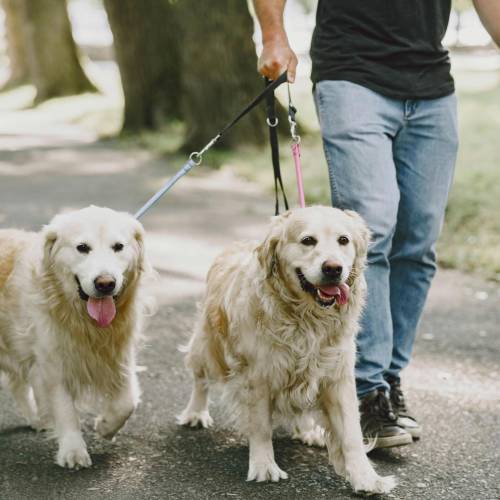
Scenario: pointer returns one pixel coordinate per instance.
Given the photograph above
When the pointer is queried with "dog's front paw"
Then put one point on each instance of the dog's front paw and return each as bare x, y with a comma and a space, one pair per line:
195, 419
311, 437
73, 454
265, 471
373, 483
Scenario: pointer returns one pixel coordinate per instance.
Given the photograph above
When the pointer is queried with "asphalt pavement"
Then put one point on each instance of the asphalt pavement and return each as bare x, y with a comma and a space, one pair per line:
453, 383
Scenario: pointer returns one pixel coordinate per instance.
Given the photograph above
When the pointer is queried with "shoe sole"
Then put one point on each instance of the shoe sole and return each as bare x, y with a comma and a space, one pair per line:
393, 441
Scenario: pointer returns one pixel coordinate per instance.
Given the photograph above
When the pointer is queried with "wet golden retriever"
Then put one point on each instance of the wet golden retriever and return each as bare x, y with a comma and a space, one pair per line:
278, 330
70, 315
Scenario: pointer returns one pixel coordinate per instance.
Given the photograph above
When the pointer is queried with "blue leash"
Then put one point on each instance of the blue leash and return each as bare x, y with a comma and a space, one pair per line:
165, 188
196, 157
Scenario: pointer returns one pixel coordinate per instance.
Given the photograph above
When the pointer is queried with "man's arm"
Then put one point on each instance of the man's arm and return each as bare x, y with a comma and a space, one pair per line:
277, 56
489, 13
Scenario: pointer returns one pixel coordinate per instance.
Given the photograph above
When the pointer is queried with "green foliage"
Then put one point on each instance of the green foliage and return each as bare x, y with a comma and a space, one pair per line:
471, 236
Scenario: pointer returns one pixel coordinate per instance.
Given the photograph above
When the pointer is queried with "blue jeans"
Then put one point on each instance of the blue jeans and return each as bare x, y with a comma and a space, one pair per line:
392, 161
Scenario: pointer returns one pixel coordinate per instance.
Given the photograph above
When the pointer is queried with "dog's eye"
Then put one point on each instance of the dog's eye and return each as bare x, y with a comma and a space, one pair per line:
309, 241
117, 247
83, 248
343, 240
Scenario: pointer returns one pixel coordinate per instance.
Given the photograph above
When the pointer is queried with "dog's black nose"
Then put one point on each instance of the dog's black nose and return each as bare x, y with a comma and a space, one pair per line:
331, 269
105, 284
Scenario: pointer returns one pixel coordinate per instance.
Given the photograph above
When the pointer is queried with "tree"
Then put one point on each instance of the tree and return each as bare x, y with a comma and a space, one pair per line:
16, 48
219, 72
51, 51
147, 48
190, 60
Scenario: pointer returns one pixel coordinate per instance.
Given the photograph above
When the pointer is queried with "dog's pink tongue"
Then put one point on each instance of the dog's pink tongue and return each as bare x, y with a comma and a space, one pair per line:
102, 310
340, 292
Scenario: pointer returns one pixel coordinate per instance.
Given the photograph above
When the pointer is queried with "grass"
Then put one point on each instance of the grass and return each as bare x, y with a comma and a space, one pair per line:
471, 235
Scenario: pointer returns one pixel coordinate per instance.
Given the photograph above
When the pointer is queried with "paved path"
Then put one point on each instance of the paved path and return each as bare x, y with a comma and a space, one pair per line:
453, 382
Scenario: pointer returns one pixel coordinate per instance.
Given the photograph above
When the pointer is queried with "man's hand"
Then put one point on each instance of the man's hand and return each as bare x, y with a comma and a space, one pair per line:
276, 57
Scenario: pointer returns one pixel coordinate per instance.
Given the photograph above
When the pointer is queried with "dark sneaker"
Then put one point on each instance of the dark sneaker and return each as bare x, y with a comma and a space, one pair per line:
379, 422
405, 419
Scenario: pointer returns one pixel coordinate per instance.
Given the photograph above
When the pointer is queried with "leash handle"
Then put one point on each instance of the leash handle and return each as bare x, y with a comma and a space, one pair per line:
272, 122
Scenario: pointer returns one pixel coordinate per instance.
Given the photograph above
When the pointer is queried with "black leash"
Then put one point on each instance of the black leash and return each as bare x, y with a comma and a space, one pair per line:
272, 122
196, 157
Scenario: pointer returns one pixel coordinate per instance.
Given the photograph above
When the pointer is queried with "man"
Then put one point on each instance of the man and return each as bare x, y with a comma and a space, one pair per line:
387, 109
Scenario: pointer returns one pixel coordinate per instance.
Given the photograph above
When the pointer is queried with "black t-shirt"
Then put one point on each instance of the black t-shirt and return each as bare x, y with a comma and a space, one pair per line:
390, 46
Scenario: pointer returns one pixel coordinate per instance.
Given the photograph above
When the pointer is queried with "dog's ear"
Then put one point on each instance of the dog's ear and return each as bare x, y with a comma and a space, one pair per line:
266, 251
49, 238
139, 240
143, 264
361, 235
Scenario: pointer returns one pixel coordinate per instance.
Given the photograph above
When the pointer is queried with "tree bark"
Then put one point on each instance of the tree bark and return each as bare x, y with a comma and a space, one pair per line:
52, 54
146, 42
219, 73
16, 49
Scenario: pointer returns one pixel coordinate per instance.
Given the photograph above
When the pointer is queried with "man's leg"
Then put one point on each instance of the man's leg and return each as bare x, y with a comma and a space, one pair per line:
425, 153
357, 127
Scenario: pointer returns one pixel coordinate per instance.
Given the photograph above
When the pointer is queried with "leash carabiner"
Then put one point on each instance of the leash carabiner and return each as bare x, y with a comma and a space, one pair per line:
292, 111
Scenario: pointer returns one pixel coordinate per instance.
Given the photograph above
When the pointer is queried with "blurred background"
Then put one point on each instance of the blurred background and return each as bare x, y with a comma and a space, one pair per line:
164, 75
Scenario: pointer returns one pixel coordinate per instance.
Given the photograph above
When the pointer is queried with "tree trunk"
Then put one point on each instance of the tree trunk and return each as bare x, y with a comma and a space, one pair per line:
52, 54
16, 49
146, 43
220, 73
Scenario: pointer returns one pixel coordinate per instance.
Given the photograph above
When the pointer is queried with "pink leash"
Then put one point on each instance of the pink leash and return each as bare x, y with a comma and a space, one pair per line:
292, 111
298, 172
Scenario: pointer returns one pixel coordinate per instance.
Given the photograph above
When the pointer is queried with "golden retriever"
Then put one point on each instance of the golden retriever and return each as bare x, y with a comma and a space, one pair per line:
70, 315
278, 329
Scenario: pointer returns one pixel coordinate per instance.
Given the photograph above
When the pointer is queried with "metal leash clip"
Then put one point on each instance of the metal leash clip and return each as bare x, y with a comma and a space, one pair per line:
293, 130
272, 124
197, 156
292, 111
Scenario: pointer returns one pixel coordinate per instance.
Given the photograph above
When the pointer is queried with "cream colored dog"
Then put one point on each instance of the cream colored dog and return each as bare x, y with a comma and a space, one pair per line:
278, 331
70, 315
